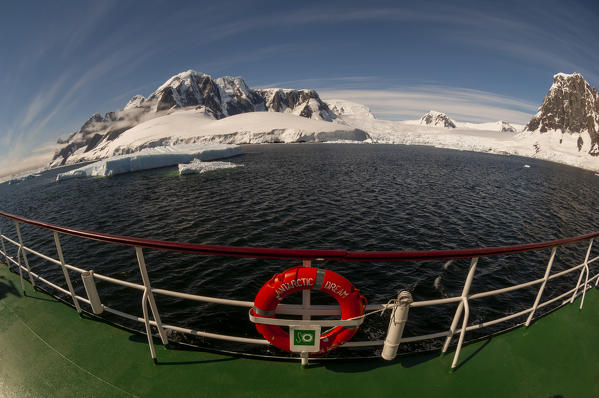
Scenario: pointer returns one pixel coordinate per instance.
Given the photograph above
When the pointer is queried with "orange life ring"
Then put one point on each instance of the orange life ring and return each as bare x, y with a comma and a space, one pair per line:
301, 278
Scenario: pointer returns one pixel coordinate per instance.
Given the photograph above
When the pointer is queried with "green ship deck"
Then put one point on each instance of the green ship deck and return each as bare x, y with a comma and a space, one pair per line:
47, 350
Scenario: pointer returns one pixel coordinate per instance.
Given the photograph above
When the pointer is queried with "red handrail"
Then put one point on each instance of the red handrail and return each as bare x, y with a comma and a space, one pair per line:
301, 254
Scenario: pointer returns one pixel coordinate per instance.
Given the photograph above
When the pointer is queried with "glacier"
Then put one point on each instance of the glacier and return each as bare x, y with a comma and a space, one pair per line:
197, 166
151, 158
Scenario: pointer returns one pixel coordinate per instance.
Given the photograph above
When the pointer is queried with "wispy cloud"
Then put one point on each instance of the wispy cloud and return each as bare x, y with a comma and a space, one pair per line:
461, 104
33, 160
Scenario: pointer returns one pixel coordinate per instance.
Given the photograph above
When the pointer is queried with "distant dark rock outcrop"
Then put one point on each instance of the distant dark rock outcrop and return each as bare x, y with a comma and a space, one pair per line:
437, 119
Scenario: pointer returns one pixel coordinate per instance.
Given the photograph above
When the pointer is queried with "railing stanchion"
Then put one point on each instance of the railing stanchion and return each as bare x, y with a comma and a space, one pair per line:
4, 249
466, 307
65, 272
458, 312
582, 271
540, 293
150, 296
144, 308
24, 254
306, 294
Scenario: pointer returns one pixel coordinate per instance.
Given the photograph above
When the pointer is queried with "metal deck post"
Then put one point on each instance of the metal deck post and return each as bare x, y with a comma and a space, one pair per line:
466, 311
582, 271
149, 296
65, 272
540, 293
24, 254
4, 249
458, 312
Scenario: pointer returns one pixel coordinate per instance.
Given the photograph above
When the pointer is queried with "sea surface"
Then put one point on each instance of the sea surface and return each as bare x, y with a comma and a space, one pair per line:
322, 196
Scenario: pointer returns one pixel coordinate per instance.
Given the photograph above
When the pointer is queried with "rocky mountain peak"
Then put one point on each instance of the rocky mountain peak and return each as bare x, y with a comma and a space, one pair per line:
506, 127
437, 119
571, 105
219, 98
134, 102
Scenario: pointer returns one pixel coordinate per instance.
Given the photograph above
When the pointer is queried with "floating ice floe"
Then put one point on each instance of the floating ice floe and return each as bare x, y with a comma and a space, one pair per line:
152, 158
197, 166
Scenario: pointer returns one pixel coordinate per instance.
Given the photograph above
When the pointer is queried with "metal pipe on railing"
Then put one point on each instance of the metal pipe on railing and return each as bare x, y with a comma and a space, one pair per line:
148, 291
540, 293
3, 247
564, 272
582, 271
144, 309
465, 292
460, 308
458, 349
23, 252
213, 300
65, 272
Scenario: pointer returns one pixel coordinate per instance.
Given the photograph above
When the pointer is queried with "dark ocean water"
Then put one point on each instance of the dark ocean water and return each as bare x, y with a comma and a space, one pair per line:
323, 196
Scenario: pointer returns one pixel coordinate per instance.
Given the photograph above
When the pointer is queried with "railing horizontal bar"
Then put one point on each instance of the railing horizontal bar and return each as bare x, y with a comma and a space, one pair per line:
41, 255
12, 260
79, 270
557, 298
309, 322
189, 331
593, 260
426, 303
506, 289
413, 339
217, 336
86, 301
118, 281
369, 343
126, 315
237, 303
14, 243
499, 320
314, 310
302, 254
47, 282
564, 272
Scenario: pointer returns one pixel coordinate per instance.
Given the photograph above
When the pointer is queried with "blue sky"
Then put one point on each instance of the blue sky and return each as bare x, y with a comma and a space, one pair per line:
62, 61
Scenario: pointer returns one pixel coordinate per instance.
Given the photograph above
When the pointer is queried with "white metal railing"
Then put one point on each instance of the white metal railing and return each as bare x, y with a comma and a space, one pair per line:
397, 320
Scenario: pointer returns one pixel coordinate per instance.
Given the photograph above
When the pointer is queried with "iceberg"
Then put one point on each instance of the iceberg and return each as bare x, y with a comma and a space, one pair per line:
197, 166
152, 158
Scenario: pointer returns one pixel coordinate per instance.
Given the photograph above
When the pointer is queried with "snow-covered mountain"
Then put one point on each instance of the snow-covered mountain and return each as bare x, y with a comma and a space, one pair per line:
195, 125
437, 119
570, 107
217, 98
501, 126
349, 109
193, 108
